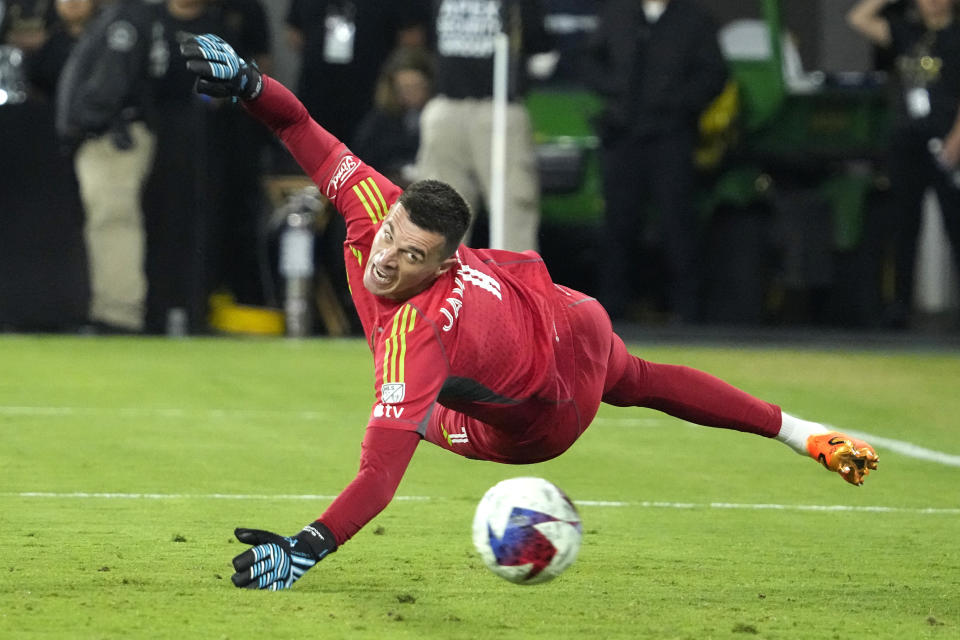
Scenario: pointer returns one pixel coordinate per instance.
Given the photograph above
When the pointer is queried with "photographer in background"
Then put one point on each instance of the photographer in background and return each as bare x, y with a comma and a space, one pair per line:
924, 42
102, 103
203, 198
658, 64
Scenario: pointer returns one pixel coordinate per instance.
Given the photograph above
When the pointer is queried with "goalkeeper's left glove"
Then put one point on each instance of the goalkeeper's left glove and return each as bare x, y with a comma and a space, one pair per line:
222, 72
853, 459
276, 562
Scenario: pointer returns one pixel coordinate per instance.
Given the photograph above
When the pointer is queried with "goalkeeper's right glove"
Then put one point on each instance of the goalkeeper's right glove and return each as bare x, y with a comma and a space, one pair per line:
276, 562
222, 73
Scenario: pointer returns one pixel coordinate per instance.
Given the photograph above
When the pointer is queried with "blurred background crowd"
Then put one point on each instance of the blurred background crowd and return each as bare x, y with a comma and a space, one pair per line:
692, 162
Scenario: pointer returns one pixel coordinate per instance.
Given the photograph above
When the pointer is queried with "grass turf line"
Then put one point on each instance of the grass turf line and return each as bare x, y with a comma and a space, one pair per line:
120, 569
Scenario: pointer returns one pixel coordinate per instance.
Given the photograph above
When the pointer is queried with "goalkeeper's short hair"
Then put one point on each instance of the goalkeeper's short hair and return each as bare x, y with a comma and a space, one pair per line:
436, 206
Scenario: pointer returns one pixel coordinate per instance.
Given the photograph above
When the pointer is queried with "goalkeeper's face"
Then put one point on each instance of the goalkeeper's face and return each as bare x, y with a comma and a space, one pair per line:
404, 259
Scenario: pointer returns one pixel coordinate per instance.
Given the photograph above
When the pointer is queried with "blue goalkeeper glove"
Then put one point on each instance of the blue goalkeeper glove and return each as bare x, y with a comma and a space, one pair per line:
276, 562
222, 73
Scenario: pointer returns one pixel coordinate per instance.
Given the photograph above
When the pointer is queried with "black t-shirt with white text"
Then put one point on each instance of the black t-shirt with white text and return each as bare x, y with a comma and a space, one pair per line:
464, 39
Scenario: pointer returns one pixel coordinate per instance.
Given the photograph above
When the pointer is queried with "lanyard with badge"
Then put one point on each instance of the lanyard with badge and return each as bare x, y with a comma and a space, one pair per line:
340, 33
919, 70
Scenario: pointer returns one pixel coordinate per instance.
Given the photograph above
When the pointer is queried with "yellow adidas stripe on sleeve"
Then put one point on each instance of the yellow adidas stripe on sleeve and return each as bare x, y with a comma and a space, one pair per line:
366, 205
376, 195
370, 196
395, 346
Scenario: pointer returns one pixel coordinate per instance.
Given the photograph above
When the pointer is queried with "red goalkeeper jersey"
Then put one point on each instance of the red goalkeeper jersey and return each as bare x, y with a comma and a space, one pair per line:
482, 339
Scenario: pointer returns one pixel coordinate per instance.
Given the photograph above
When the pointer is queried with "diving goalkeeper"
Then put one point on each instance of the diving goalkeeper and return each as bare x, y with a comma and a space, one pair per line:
477, 351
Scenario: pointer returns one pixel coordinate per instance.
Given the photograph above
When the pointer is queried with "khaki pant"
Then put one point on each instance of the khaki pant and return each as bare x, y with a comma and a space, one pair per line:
111, 181
455, 147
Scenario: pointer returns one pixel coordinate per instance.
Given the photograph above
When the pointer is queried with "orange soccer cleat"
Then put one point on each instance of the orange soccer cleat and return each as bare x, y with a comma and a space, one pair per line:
852, 459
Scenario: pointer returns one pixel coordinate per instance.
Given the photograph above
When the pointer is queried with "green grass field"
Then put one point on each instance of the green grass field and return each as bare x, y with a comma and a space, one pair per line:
126, 463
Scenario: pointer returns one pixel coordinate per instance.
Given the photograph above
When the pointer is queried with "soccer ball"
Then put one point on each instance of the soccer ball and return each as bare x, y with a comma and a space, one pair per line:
527, 530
